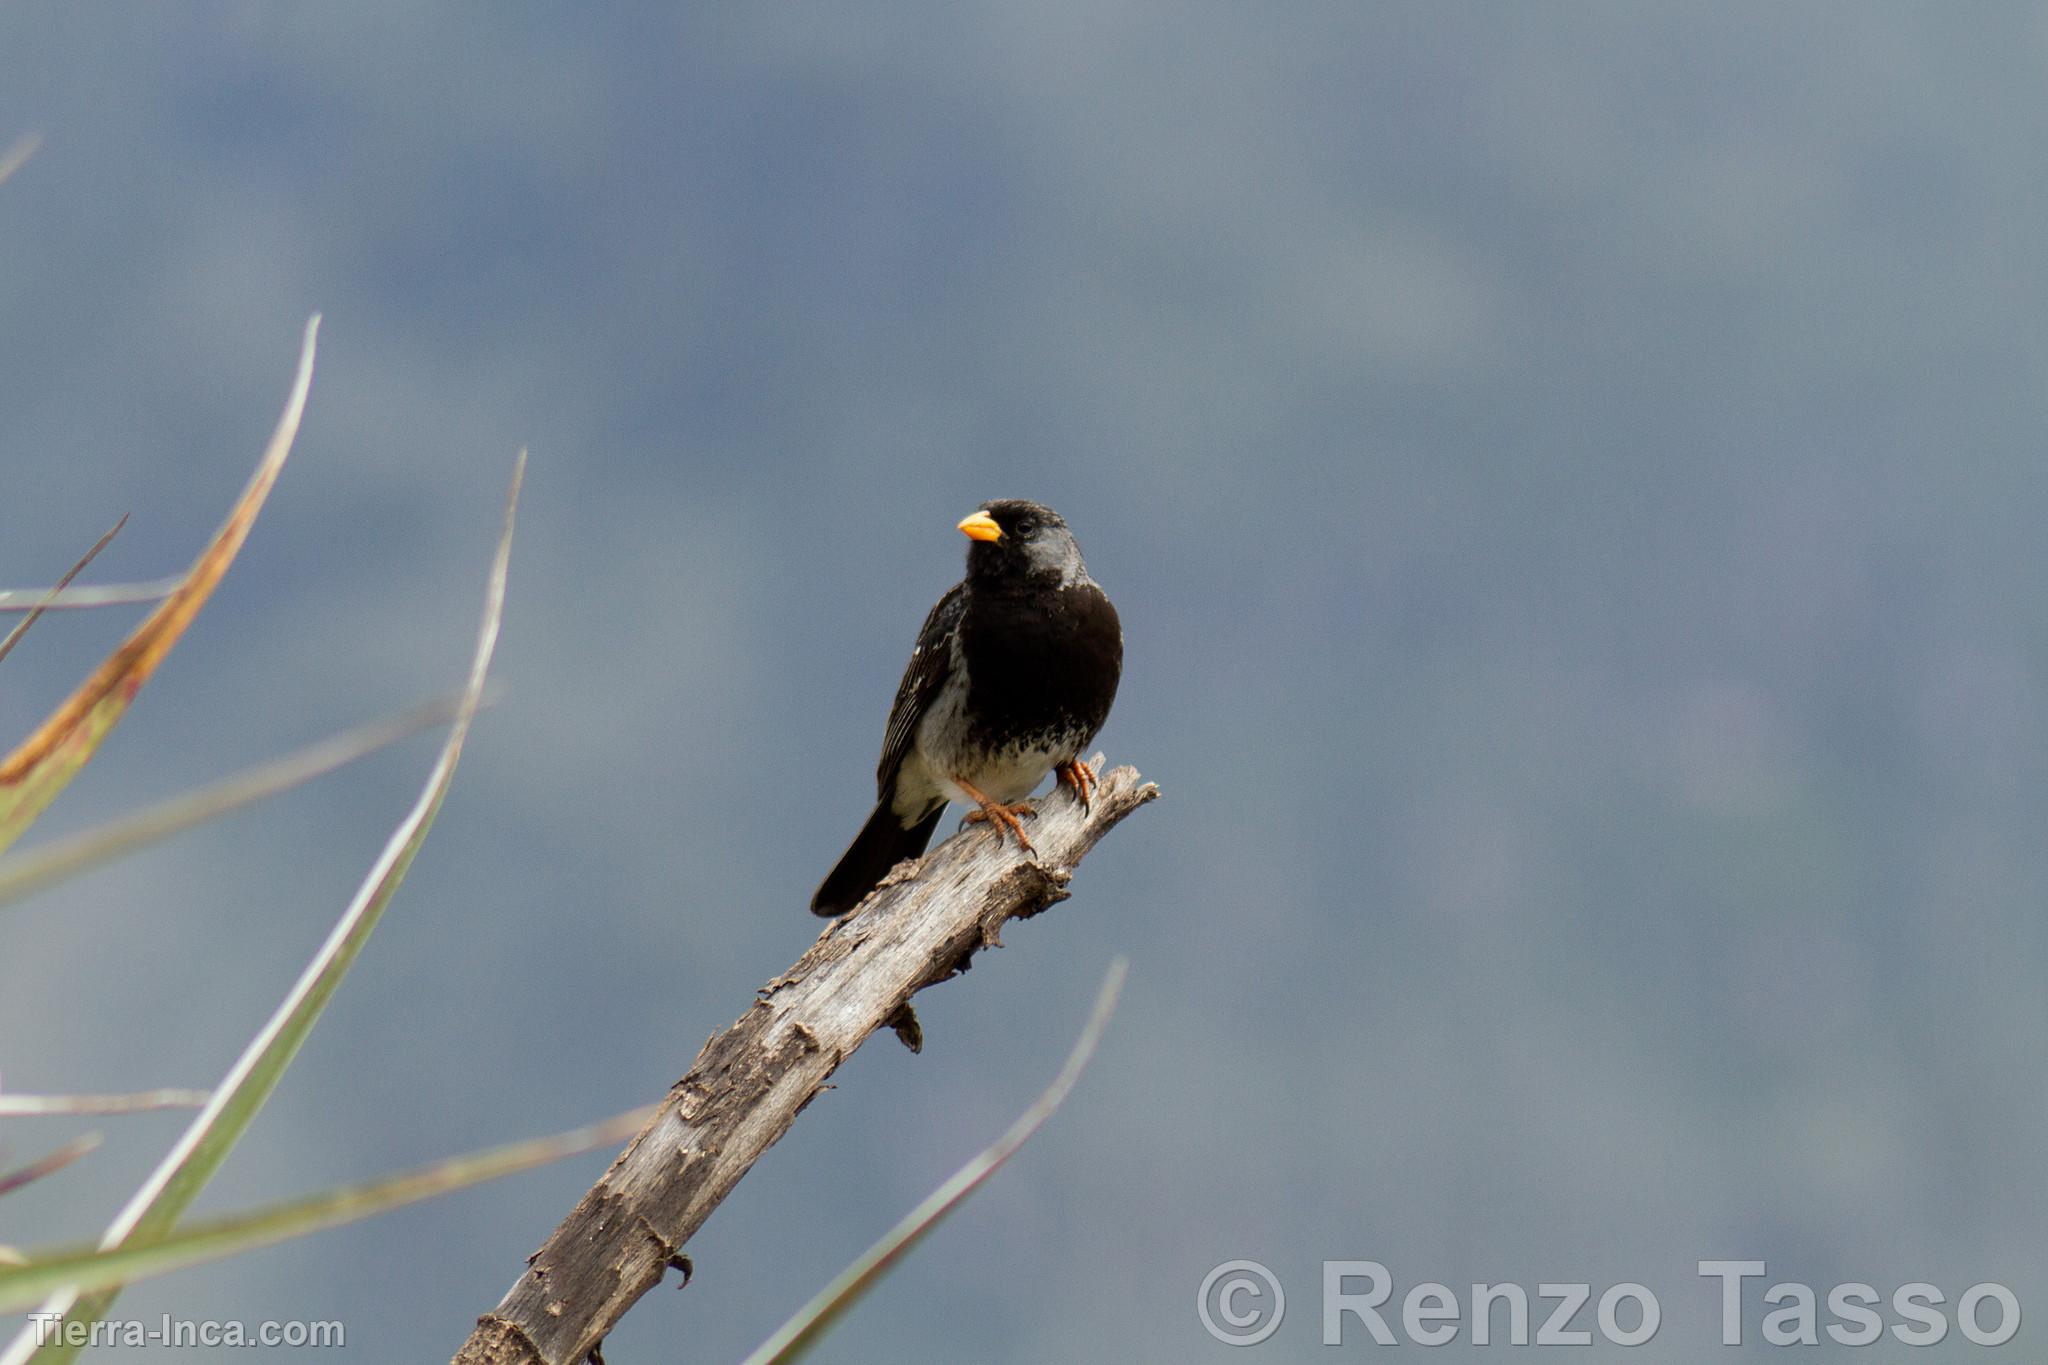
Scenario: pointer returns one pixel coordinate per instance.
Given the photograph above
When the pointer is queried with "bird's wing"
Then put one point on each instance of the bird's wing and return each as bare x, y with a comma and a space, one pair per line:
929, 663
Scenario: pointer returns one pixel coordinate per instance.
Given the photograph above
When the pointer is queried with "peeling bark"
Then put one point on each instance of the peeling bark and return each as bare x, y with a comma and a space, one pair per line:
921, 926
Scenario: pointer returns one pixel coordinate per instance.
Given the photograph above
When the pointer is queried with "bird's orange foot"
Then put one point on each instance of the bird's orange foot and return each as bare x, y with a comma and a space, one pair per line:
1005, 817
1001, 816
1078, 775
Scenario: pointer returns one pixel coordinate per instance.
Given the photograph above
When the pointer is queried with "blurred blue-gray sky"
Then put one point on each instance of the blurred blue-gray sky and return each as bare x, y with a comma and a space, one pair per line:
1570, 475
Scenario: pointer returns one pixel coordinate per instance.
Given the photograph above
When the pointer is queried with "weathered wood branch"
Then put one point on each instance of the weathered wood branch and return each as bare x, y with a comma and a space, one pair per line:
750, 1082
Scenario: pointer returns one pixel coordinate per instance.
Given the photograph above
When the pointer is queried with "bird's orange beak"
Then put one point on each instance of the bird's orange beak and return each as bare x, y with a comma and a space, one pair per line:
981, 526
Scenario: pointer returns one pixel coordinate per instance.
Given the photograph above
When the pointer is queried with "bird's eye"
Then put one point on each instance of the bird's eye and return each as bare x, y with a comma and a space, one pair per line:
1026, 526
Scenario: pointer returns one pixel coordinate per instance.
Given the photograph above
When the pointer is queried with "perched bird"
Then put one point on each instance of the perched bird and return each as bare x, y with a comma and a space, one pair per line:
1013, 674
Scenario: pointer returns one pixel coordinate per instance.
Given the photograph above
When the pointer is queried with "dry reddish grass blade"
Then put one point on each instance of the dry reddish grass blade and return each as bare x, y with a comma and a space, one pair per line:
34, 773
55, 1161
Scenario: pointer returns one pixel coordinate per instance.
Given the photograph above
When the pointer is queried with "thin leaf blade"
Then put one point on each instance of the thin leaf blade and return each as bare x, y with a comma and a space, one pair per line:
42, 1273
36, 612
98, 595
795, 1337
138, 1102
155, 1208
45, 763
17, 154
48, 1165
24, 874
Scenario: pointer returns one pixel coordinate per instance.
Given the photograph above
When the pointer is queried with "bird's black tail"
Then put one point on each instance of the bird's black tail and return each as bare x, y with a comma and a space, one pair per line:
882, 843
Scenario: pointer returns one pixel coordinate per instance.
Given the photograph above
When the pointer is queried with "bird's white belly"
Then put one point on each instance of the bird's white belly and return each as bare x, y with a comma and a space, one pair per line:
1006, 778
1007, 775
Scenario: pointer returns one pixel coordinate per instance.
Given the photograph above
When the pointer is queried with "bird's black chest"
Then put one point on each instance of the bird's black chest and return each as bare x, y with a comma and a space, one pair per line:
1042, 665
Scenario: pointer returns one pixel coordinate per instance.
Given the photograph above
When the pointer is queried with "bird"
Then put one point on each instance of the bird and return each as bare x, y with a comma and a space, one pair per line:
1012, 675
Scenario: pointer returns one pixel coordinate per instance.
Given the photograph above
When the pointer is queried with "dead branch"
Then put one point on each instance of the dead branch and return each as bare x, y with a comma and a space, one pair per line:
750, 1082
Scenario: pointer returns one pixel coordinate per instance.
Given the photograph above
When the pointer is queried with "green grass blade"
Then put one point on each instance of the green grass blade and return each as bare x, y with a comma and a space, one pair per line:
176, 1182
801, 1332
24, 874
42, 1273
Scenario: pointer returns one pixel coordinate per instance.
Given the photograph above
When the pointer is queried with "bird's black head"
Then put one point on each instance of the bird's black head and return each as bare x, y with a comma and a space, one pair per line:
1018, 540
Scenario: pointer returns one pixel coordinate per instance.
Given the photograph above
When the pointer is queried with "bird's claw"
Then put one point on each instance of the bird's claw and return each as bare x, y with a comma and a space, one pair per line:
1005, 818
1078, 775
